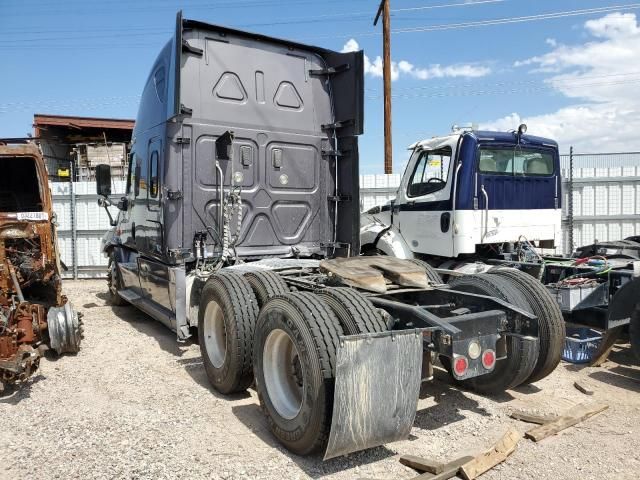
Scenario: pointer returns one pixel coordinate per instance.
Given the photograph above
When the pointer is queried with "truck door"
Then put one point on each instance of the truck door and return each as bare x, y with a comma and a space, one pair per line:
128, 263
425, 203
154, 273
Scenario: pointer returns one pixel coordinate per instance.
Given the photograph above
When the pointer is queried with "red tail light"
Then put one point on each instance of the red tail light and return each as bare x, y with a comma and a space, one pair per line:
488, 359
460, 365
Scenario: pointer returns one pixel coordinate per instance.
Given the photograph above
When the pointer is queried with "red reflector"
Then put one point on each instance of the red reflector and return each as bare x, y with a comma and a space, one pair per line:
460, 365
488, 359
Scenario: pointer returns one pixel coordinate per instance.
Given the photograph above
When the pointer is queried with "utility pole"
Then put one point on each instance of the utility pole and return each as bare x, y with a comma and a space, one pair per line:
386, 77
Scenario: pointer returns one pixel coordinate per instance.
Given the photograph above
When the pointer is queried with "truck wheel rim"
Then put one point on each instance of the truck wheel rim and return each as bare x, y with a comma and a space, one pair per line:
112, 279
283, 374
215, 334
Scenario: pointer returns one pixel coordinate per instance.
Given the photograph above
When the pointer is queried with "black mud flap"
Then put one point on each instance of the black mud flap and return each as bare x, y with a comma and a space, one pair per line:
376, 390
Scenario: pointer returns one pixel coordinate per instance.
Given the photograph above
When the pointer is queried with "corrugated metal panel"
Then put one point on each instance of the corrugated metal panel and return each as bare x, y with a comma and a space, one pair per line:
606, 200
43, 120
606, 197
91, 224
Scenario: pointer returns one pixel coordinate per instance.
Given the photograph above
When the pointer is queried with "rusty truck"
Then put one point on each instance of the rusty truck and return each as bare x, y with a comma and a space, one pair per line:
34, 314
240, 223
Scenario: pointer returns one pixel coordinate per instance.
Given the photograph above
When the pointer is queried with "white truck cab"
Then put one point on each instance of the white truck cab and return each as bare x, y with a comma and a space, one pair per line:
470, 193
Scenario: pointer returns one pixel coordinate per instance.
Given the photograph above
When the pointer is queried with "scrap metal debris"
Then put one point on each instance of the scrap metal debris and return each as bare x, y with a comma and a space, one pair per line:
34, 315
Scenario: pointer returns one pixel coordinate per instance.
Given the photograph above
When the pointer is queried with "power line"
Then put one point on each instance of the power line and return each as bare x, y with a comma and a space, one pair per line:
124, 32
429, 28
432, 7
479, 93
553, 82
84, 37
496, 21
208, 5
529, 18
71, 102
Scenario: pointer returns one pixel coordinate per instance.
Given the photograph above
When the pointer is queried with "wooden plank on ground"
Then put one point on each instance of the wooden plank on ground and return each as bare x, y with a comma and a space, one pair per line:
422, 464
450, 470
578, 414
531, 417
606, 345
583, 387
492, 457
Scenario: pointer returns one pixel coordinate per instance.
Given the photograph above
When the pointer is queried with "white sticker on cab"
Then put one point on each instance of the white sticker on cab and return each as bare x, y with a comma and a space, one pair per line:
33, 216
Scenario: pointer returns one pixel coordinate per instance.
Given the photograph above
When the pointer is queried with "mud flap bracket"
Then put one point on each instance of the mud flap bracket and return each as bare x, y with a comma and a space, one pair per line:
376, 390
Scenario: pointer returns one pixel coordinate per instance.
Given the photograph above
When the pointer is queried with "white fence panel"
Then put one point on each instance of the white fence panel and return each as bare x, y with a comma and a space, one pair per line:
81, 225
606, 206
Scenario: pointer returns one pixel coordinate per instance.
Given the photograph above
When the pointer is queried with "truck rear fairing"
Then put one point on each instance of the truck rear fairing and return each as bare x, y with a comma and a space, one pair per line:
295, 112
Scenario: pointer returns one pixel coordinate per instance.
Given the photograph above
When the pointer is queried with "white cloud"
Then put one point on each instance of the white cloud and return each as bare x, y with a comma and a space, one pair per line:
406, 68
603, 76
439, 71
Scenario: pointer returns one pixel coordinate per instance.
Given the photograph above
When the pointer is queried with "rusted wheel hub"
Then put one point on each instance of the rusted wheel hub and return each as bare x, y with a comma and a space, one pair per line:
65, 329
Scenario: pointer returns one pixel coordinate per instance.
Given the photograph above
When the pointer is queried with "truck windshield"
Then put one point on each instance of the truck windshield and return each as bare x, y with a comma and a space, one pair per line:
515, 161
19, 185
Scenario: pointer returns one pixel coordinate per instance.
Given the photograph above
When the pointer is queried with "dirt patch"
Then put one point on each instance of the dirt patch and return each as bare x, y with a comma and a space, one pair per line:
134, 403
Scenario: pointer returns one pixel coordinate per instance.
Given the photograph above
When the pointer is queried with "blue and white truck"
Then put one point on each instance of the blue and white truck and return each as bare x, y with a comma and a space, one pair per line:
481, 203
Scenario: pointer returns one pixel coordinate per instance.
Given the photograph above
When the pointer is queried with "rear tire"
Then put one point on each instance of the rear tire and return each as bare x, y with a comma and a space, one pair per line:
114, 283
521, 354
432, 275
552, 330
294, 359
355, 313
266, 284
634, 332
226, 325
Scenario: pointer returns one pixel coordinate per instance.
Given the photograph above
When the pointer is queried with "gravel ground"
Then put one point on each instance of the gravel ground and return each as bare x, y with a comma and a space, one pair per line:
134, 403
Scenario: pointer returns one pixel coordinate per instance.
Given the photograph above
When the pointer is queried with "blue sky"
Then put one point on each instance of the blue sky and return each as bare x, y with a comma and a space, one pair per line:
572, 77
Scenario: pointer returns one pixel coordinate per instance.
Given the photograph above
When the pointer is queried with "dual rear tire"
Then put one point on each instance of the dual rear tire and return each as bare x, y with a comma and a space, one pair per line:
295, 352
229, 307
522, 354
551, 325
226, 326
527, 361
289, 348
634, 332
294, 362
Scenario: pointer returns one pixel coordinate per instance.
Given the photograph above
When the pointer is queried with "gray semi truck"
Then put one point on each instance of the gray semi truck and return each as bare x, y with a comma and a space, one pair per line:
241, 222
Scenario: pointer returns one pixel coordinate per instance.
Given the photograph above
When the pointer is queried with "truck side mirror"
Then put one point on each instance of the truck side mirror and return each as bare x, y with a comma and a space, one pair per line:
103, 180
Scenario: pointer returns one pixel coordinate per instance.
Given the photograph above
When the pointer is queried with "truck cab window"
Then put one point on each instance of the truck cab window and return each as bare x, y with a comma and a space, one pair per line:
430, 173
518, 161
19, 186
153, 175
140, 179
136, 179
130, 174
